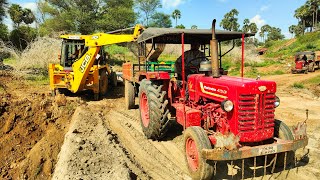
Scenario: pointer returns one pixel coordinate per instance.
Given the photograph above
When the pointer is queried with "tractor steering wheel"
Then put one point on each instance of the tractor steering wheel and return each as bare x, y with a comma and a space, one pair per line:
193, 68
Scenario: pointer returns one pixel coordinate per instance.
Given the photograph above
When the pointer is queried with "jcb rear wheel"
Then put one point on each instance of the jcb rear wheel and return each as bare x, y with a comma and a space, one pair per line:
282, 131
114, 80
129, 95
153, 109
195, 139
103, 82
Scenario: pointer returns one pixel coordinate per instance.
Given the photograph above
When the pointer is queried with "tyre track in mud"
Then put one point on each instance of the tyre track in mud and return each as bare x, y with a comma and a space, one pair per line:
160, 159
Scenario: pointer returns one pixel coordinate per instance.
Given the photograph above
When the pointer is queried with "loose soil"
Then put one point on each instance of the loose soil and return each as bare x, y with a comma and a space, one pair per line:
102, 140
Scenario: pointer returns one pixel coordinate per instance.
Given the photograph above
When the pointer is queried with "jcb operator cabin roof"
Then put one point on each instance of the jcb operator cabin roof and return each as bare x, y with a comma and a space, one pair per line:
173, 36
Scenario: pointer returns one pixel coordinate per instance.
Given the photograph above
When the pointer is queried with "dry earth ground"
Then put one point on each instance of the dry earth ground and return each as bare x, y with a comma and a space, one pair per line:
103, 141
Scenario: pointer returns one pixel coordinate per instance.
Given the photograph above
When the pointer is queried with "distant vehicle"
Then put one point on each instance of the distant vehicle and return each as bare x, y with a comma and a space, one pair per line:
306, 62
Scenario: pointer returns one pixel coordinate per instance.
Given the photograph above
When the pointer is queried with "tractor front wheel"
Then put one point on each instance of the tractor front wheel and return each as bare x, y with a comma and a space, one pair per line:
153, 109
129, 94
195, 140
282, 131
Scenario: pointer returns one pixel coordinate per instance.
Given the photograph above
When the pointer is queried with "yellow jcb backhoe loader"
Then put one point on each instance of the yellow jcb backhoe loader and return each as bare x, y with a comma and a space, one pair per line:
83, 64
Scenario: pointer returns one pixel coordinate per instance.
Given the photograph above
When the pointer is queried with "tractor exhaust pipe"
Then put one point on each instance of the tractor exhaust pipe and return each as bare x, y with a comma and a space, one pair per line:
214, 52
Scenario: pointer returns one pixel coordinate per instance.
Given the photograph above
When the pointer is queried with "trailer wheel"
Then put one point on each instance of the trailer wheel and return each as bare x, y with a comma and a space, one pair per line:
195, 140
311, 67
103, 82
282, 131
129, 95
153, 109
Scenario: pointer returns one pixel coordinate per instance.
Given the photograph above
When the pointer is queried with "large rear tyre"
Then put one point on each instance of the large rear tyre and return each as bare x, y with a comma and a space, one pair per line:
153, 110
282, 131
129, 95
103, 82
195, 140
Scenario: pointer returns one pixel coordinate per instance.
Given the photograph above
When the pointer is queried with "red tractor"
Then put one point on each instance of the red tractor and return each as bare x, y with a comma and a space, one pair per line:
224, 118
305, 62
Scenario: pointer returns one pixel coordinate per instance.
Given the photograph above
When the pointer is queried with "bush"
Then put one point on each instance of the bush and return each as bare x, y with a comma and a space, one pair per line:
298, 85
22, 36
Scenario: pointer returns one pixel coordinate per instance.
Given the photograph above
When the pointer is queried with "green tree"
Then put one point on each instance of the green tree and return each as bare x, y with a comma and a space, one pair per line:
3, 32
246, 27
19, 15
21, 36
302, 14
253, 27
194, 27
275, 34
149, 7
176, 14
119, 14
292, 29
230, 21
314, 8
265, 29
85, 16
3, 4
161, 20
16, 14
181, 26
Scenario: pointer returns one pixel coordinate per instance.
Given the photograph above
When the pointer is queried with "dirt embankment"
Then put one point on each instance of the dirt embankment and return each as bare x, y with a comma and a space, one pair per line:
32, 128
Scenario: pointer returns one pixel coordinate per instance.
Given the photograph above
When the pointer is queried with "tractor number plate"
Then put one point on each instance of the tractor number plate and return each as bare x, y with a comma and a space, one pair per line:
268, 150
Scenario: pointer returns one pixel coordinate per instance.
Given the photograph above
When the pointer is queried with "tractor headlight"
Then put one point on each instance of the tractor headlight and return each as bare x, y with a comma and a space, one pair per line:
227, 105
277, 101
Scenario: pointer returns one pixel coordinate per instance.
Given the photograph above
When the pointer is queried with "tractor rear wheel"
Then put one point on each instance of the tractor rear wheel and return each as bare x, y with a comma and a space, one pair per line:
103, 82
129, 94
282, 131
195, 140
153, 109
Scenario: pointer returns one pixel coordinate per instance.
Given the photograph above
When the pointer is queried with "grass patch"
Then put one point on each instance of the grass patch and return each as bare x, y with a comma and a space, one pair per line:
313, 81
298, 85
37, 80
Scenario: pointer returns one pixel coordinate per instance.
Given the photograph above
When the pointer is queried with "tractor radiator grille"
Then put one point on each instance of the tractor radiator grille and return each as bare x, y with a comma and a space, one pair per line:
256, 112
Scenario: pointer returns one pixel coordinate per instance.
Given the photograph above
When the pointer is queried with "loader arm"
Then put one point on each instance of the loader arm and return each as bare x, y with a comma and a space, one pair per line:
81, 68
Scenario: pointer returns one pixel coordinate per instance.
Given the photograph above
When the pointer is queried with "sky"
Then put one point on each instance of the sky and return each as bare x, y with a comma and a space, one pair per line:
277, 13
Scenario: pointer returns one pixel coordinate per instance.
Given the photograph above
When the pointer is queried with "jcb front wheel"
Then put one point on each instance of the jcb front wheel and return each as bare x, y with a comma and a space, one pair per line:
153, 109
195, 139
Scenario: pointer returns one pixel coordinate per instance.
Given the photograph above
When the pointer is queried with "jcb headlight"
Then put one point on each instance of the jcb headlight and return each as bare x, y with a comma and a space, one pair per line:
277, 101
227, 105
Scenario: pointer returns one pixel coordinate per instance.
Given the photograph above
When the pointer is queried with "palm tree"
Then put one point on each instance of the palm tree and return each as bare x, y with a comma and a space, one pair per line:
314, 7
301, 14
292, 29
176, 14
246, 27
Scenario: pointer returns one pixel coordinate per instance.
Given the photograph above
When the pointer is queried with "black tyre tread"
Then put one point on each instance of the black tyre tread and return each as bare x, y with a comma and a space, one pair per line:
158, 109
282, 131
129, 95
103, 82
202, 142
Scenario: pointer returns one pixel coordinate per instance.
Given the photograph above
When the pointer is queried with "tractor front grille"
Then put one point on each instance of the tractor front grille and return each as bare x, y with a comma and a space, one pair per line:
256, 112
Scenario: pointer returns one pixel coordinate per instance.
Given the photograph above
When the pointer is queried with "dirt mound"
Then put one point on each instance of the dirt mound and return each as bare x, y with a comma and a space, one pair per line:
32, 127
91, 151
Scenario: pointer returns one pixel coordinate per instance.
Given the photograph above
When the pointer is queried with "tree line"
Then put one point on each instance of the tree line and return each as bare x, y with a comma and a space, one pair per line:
308, 16
84, 16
